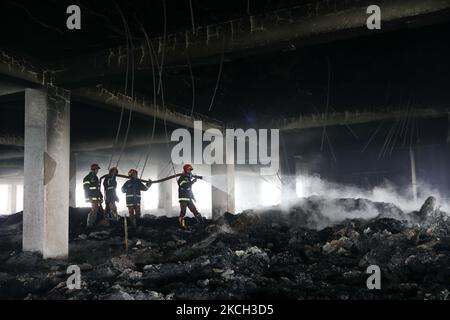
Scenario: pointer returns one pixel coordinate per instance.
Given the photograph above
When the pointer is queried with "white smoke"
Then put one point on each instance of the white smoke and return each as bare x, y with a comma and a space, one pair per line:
385, 192
322, 201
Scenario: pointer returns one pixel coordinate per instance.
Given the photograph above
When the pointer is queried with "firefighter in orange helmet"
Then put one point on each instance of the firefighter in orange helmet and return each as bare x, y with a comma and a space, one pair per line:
185, 195
110, 185
132, 188
93, 194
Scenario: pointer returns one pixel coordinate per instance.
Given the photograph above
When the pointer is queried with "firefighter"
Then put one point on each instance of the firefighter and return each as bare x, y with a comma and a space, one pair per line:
132, 188
185, 195
93, 194
110, 185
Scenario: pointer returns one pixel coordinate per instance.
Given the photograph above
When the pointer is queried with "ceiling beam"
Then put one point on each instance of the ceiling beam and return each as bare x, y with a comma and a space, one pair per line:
89, 146
312, 23
142, 105
11, 140
7, 88
33, 75
354, 117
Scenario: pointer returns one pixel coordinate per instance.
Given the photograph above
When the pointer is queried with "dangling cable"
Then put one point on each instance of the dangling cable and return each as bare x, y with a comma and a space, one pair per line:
151, 52
163, 54
116, 140
327, 104
132, 96
218, 76
192, 16
192, 82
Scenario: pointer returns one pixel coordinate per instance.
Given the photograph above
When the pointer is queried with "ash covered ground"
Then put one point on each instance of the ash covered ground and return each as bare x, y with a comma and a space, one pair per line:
269, 254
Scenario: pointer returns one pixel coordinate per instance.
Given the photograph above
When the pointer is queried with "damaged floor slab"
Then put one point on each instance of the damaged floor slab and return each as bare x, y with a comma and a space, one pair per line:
266, 254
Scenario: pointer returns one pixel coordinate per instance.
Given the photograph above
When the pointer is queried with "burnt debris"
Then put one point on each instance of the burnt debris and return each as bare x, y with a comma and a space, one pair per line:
299, 254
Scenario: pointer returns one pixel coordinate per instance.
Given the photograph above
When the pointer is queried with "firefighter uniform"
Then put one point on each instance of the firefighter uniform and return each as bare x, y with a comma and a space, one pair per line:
110, 185
186, 197
132, 188
91, 185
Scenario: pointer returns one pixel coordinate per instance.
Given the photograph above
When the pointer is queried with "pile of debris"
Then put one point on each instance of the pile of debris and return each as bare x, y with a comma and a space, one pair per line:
301, 254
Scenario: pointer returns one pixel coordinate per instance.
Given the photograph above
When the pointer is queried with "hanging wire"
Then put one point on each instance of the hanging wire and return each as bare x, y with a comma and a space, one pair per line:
163, 47
218, 76
327, 104
192, 16
402, 126
373, 136
165, 126
116, 140
388, 139
132, 94
152, 60
192, 82
331, 147
160, 85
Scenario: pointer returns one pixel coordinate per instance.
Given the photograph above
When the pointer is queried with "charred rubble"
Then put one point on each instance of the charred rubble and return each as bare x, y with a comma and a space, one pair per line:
267, 254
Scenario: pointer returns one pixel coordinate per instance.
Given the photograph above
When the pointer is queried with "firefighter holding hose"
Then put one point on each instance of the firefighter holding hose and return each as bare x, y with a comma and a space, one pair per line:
110, 185
132, 188
93, 194
185, 195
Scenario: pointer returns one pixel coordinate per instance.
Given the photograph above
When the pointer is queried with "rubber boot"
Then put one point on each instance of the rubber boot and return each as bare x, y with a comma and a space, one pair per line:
133, 222
182, 222
91, 219
113, 215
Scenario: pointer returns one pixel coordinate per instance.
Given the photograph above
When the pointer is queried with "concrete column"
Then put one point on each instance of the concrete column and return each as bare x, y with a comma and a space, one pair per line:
12, 198
413, 174
287, 176
165, 196
46, 172
73, 181
299, 183
222, 181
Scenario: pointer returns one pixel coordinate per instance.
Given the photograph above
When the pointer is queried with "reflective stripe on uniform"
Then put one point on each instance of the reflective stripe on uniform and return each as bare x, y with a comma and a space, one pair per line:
184, 199
92, 188
86, 182
182, 182
133, 195
110, 188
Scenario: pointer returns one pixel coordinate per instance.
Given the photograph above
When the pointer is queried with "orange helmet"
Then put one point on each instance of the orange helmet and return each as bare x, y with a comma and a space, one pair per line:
94, 166
130, 173
187, 167
113, 169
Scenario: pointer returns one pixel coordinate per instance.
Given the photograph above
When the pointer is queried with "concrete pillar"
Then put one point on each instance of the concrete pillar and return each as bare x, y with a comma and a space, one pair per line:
165, 196
287, 176
413, 174
12, 198
73, 181
222, 181
46, 172
299, 183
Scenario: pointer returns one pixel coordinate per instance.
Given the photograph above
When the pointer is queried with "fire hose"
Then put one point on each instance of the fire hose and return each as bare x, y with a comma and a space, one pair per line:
152, 181
144, 181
